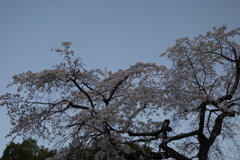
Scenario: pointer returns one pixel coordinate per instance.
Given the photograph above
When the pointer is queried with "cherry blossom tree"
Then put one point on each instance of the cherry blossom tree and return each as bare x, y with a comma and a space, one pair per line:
188, 111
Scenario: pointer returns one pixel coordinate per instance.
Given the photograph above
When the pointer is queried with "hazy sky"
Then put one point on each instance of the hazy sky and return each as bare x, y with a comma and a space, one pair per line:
104, 33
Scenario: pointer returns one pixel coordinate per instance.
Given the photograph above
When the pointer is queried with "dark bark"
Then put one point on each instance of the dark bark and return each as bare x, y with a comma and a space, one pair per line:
173, 153
203, 145
181, 136
83, 91
165, 127
106, 101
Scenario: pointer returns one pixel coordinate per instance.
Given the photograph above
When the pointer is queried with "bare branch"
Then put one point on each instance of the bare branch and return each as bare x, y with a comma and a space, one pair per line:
84, 92
181, 136
165, 127
173, 153
106, 101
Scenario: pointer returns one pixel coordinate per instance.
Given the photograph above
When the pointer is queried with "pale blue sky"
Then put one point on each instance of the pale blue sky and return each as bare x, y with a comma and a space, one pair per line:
106, 33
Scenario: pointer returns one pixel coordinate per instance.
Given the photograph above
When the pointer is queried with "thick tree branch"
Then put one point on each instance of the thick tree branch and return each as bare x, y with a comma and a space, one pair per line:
223, 98
181, 136
84, 92
225, 57
173, 153
216, 129
237, 61
106, 101
203, 148
93, 89
165, 127
78, 106
202, 117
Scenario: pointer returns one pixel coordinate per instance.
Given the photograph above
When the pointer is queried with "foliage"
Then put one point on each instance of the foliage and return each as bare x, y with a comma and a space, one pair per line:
27, 150
89, 152
190, 110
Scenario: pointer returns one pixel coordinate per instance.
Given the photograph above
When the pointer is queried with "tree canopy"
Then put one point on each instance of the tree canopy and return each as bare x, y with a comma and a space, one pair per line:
27, 150
189, 110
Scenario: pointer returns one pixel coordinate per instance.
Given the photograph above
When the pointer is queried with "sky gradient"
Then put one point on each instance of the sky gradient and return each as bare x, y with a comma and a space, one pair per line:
106, 33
